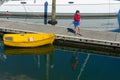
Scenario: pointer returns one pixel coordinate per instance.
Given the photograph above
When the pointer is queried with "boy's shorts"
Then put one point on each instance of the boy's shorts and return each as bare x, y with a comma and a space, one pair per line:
76, 23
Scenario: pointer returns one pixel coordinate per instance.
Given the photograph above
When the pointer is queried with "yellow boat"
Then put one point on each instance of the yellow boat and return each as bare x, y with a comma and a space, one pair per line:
28, 39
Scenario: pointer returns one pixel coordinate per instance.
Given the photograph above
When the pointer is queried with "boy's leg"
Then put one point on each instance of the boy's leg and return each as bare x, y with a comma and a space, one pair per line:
79, 29
75, 30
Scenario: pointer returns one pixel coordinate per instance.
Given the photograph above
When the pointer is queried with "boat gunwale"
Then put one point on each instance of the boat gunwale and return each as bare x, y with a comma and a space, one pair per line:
51, 36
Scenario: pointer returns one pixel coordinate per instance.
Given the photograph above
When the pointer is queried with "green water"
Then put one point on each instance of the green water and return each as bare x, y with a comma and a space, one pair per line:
53, 62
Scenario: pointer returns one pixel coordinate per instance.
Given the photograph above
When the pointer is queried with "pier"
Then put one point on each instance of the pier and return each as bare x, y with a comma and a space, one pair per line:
108, 39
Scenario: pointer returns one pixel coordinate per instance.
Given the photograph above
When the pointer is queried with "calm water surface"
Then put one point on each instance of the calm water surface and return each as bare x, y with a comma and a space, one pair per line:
53, 63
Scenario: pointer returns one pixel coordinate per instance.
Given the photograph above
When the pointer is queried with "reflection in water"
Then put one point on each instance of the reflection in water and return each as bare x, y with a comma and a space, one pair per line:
37, 52
74, 60
83, 66
3, 57
43, 50
1, 48
26, 51
48, 59
55, 64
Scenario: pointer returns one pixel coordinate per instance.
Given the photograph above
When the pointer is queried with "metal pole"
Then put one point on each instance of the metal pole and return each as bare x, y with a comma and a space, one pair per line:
45, 12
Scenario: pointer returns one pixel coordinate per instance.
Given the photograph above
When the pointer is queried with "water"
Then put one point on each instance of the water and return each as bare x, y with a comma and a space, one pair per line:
50, 62
53, 62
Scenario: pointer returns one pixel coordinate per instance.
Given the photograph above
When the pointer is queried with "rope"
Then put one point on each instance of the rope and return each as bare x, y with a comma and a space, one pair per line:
83, 66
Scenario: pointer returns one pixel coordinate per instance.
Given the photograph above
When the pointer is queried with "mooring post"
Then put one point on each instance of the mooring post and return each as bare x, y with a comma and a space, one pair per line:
53, 19
45, 12
54, 12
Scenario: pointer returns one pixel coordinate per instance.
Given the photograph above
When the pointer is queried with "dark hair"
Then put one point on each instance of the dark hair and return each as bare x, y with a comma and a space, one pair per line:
77, 11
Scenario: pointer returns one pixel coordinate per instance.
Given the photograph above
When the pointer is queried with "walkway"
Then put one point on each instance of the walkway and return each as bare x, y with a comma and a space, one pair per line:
88, 36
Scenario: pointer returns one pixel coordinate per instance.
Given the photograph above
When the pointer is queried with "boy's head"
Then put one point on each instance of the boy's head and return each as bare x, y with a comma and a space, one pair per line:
77, 11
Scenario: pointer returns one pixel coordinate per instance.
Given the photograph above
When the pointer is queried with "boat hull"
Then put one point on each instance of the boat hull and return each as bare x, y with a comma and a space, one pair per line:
29, 40
63, 7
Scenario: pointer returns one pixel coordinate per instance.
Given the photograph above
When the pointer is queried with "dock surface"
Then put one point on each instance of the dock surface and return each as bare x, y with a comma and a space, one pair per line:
63, 33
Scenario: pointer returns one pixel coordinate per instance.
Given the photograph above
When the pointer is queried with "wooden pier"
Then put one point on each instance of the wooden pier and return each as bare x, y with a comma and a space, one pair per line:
111, 39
